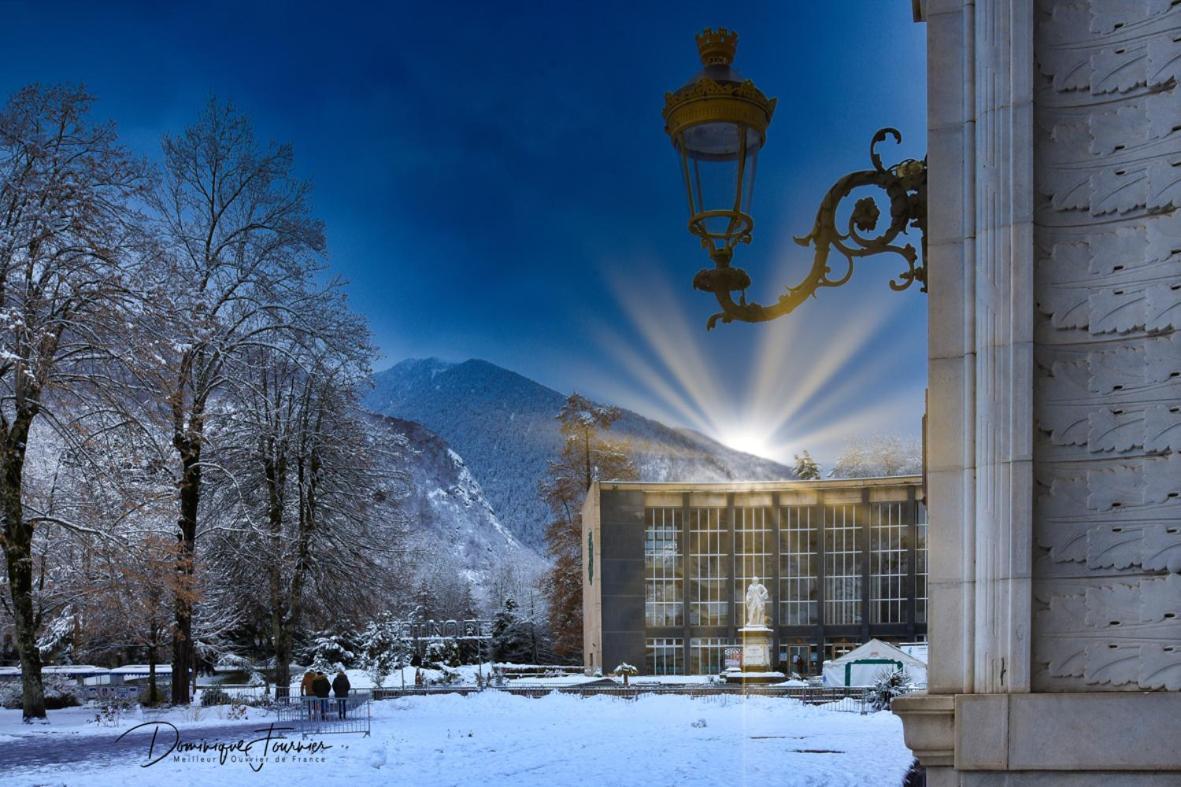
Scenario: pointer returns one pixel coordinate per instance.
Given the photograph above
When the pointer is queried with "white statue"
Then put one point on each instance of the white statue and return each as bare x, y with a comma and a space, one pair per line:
756, 603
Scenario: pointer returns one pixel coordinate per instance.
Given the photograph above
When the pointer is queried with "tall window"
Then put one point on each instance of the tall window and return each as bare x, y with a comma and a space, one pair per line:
920, 566
797, 567
707, 655
842, 566
664, 656
663, 572
752, 555
709, 573
887, 563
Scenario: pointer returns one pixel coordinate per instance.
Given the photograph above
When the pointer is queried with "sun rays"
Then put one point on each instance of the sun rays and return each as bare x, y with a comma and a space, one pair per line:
814, 380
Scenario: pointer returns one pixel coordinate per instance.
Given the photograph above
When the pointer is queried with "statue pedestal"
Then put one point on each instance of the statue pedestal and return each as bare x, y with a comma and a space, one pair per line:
756, 658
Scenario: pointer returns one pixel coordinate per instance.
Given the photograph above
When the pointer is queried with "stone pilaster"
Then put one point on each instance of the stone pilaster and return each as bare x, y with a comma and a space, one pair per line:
1054, 433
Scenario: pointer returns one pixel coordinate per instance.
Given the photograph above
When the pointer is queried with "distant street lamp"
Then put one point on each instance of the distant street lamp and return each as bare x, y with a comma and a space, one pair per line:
718, 124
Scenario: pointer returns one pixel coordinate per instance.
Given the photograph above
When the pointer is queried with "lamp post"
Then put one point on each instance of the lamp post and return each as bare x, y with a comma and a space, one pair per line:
718, 124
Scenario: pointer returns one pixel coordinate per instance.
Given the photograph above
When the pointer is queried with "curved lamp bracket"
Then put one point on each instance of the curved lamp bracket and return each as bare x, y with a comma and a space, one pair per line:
905, 185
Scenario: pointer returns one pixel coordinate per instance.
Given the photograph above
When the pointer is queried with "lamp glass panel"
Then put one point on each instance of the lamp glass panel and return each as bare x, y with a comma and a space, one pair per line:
718, 176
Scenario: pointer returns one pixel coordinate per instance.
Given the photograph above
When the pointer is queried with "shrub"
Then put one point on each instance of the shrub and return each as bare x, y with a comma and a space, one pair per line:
443, 653
59, 693
886, 687
214, 696
626, 671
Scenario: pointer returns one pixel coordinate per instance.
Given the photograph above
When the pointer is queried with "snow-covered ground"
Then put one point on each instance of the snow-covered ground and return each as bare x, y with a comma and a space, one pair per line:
493, 738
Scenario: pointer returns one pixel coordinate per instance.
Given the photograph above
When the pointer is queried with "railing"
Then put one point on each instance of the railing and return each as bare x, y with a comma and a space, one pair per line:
536, 670
848, 699
323, 715
240, 691
106, 693
393, 692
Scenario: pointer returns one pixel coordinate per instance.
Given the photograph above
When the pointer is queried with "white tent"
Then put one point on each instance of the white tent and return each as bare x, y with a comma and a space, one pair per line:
862, 666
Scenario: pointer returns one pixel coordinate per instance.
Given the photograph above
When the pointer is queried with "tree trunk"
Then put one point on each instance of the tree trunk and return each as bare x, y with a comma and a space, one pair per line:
18, 553
275, 472
183, 652
282, 638
153, 697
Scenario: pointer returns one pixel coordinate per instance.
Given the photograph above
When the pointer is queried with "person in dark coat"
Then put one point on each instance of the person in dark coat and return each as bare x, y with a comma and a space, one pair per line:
306, 689
322, 688
340, 688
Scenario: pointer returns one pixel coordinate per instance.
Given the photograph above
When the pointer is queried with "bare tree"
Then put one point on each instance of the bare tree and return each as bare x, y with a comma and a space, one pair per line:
239, 241
65, 226
879, 455
313, 487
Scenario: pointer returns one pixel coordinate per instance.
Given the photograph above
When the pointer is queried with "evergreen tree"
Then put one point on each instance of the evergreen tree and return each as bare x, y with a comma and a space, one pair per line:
424, 602
805, 467
586, 457
511, 638
467, 603
383, 648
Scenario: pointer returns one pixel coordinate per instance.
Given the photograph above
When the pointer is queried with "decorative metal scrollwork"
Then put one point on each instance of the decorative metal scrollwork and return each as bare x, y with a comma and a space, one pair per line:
905, 184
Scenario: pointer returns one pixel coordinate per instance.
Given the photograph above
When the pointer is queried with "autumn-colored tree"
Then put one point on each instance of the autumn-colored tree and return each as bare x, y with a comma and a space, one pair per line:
134, 589
586, 456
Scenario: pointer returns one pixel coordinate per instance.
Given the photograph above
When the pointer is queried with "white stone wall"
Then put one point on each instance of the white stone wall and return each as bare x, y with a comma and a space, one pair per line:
1107, 397
980, 341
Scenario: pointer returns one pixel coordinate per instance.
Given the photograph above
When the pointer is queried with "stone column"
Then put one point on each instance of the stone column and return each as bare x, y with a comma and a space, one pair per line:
1054, 420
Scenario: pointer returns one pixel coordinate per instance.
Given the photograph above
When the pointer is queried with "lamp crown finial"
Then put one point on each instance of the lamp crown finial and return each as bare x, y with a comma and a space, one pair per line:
717, 47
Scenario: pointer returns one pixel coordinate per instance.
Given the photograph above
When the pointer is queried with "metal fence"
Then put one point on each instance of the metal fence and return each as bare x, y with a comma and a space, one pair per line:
394, 692
324, 715
105, 693
241, 692
847, 699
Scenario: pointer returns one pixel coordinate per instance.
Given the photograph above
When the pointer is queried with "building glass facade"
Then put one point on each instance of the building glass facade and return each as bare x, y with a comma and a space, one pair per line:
752, 554
799, 546
709, 567
707, 655
664, 586
843, 561
888, 570
920, 556
664, 656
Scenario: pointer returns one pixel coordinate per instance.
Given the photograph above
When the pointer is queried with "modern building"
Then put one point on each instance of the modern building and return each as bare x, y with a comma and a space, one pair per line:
666, 565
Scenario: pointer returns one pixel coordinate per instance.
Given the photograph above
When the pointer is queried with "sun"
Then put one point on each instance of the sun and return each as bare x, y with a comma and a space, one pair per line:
749, 441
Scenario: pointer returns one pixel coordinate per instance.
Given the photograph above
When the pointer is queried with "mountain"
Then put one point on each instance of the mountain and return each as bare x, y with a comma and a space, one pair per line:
505, 427
453, 528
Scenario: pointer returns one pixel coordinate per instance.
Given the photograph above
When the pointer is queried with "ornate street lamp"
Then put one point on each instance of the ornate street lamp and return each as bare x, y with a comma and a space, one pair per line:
718, 123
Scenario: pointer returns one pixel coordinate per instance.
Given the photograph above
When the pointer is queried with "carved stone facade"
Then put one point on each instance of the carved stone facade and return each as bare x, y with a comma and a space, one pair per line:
1054, 402
1107, 401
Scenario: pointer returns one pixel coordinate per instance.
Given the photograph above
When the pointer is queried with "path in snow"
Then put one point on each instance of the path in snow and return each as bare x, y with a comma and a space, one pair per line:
46, 746
491, 739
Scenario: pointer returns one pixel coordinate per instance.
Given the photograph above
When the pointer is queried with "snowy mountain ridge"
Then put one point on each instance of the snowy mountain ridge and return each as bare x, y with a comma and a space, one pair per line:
504, 427
452, 524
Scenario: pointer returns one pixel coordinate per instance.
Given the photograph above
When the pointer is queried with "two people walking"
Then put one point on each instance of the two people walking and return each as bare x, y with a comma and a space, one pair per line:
315, 684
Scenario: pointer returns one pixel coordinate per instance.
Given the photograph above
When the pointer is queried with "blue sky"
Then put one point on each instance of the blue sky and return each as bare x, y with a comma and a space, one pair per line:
496, 182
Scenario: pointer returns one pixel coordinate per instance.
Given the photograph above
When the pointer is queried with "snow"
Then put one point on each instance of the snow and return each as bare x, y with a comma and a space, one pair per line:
493, 738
